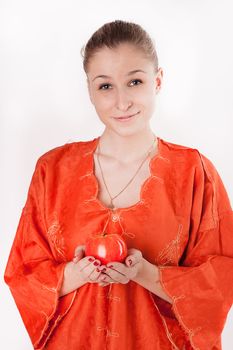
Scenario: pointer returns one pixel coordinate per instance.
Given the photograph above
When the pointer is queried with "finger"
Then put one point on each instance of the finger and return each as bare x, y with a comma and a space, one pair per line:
76, 259
78, 249
95, 275
133, 258
128, 261
102, 268
121, 273
89, 271
117, 267
105, 279
135, 252
101, 282
88, 261
78, 253
108, 279
116, 275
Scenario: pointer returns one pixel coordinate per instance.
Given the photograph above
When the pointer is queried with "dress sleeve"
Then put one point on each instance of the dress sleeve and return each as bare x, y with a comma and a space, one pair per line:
32, 273
201, 287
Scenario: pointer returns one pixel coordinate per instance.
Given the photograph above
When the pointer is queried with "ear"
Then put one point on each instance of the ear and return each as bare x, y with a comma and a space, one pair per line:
158, 79
89, 90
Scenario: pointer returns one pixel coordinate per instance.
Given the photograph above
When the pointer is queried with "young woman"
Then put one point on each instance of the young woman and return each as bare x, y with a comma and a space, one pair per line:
175, 288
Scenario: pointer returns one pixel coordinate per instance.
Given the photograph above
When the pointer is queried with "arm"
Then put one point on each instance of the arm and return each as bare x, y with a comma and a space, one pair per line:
202, 285
148, 277
32, 273
138, 270
72, 279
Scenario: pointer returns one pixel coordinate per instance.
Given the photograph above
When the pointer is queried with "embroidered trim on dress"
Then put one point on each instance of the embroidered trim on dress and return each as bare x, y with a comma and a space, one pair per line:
169, 335
189, 331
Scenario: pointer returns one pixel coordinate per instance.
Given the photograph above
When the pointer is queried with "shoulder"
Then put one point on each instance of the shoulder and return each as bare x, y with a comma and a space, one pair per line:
189, 164
65, 152
191, 156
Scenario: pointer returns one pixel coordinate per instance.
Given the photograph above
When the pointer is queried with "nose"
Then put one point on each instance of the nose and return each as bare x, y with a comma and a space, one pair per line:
123, 102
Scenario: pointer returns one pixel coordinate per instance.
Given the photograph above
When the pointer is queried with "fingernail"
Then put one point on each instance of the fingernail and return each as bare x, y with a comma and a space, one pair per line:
103, 270
91, 259
130, 261
96, 263
98, 270
110, 266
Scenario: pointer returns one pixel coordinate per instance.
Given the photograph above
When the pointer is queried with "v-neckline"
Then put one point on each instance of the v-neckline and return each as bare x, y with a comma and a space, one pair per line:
96, 182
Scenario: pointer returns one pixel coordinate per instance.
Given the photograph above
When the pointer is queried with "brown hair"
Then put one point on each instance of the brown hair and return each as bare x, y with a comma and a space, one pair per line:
114, 33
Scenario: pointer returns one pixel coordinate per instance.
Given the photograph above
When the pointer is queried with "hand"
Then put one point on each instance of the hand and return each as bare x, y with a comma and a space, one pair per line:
87, 266
122, 273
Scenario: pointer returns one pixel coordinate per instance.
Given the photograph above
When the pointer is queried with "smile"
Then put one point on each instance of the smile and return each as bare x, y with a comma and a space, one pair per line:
124, 119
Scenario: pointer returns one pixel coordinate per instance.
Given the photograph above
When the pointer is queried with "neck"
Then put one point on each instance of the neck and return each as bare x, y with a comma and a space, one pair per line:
129, 148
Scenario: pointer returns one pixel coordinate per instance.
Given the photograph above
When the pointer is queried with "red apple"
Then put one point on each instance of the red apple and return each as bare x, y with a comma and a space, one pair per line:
106, 247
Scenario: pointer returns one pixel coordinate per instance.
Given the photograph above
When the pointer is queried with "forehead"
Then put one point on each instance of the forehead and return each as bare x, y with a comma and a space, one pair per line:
124, 57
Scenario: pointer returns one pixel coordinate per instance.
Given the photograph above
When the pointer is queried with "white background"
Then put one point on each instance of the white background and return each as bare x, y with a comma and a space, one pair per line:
44, 101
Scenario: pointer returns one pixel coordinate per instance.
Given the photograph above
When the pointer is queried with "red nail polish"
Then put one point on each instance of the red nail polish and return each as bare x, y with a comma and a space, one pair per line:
110, 266
91, 259
96, 263
98, 270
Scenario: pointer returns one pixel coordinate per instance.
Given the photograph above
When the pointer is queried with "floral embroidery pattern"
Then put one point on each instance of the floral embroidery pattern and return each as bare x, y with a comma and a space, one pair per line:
171, 252
108, 332
164, 159
56, 238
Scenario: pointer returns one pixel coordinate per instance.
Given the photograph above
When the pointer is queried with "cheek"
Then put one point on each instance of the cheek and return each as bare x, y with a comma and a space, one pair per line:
103, 103
145, 95
147, 101
151, 95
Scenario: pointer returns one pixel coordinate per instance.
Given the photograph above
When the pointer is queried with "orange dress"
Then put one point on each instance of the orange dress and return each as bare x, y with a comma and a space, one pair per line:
183, 223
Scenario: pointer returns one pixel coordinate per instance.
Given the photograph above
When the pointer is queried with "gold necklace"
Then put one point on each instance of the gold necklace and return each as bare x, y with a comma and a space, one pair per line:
112, 198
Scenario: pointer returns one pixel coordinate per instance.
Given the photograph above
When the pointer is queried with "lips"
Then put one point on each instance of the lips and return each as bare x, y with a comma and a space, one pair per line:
126, 116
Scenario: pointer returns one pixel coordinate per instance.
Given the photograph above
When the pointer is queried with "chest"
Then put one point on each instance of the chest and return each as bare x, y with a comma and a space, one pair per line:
124, 182
153, 227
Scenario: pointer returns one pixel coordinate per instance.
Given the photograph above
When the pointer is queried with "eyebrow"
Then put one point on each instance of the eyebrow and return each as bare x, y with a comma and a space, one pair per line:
130, 73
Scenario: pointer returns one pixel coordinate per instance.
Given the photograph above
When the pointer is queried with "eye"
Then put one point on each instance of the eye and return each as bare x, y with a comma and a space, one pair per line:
103, 87
137, 80
106, 86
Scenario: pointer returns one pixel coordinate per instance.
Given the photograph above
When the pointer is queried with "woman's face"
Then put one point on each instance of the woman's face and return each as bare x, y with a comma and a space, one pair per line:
122, 82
